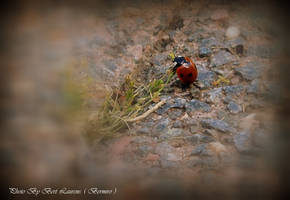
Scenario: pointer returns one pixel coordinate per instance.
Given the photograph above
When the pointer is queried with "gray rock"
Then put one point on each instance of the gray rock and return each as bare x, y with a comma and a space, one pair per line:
161, 127
172, 103
206, 138
163, 149
204, 52
193, 139
177, 124
173, 157
221, 58
143, 150
178, 103
233, 89
217, 125
195, 105
193, 129
214, 94
191, 122
221, 114
242, 142
228, 99
159, 71
206, 78
227, 139
163, 109
234, 108
199, 149
197, 138
196, 36
174, 114
173, 132
202, 150
235, 42
210, 42
168, 155
195, 92
159, 59
249, 72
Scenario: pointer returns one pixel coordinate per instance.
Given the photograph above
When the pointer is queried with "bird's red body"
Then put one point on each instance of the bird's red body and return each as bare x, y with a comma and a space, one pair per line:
186, 70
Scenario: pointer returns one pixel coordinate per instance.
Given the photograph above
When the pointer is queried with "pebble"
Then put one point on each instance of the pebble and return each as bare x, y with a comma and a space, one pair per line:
232, 32
213, 95
178, 103
177, 124
199, 149
234, 108
163, 109
202, 150
196, 105
209, 42
248, 72
228, 99
233, 89
204, 52
193, 139
237, 44
206, 78
163, 149
159, 59
191, 122
174, 114
217, 125
172, 103
173, 132
193, 129
144, 149
221, 58
206, 138
161, 127
196, 36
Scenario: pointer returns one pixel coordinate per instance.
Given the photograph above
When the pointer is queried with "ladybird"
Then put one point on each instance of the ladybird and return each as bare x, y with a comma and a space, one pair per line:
185, 69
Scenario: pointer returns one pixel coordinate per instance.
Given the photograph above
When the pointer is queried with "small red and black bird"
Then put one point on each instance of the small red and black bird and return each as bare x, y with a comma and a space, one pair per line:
185, 69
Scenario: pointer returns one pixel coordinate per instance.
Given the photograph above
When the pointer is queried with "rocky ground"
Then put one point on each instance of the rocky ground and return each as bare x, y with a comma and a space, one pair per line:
220, 133
224, 124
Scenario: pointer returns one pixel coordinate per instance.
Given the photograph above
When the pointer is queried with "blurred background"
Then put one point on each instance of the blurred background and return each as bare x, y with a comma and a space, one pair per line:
59, 59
